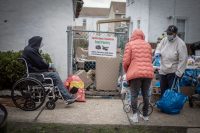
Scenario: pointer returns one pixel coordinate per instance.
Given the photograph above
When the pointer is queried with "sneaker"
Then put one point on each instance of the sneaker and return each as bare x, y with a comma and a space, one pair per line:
146, 118
134, 118
70, 101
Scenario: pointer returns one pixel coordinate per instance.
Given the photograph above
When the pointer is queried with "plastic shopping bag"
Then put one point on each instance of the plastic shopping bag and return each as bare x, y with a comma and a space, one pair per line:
156, 62
124, 85
172, 101
188, 78
81, 95
75, 82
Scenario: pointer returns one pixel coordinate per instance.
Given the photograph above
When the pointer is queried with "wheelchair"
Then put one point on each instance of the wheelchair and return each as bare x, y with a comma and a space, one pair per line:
30, 92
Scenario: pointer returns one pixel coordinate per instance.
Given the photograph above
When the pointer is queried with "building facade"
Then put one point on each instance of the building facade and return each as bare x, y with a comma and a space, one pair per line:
154, 16
89, 16
22, 19
117, 11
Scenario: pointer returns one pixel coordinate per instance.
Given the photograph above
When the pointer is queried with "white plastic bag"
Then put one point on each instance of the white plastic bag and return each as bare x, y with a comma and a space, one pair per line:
124, 85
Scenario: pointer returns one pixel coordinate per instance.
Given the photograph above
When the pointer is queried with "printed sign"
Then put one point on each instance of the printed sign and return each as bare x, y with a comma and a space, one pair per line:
102, 46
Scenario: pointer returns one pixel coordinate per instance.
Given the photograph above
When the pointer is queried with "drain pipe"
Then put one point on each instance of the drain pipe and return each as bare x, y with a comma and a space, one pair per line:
69, 50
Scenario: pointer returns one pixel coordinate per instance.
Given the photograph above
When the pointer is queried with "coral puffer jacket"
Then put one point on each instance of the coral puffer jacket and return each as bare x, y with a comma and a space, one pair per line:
137, 60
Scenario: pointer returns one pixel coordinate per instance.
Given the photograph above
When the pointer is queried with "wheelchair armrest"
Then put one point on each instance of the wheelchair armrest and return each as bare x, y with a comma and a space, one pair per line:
37, 76
48, 81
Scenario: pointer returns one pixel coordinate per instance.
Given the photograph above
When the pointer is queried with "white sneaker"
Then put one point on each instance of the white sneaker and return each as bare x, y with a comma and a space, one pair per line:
134, 118
146, 118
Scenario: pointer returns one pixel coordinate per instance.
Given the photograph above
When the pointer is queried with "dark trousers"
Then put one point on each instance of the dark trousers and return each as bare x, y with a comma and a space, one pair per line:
166, 82
135, 85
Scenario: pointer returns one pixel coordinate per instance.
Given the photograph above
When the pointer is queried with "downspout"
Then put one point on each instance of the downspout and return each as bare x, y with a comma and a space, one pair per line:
174, 18
74, 7
69, 50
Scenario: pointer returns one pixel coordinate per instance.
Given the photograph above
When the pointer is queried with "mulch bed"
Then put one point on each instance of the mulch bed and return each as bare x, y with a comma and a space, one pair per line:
7, 102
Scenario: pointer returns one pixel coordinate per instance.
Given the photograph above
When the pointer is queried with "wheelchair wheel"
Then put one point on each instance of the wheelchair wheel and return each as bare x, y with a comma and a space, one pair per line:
50, 105
127, 108
53, 96
150, 109
123, 96
28, 94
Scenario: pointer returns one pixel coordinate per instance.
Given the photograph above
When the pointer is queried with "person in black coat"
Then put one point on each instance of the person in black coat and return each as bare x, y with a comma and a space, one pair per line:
36, 64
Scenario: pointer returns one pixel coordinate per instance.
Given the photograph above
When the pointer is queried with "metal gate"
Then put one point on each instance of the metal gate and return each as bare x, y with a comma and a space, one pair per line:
101, 71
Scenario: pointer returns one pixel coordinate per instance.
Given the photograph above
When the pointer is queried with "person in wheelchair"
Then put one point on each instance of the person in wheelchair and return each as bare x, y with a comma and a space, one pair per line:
36, 64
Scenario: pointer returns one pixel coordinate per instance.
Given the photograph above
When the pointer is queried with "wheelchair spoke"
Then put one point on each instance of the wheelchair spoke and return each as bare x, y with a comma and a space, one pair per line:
29, 104
28, 94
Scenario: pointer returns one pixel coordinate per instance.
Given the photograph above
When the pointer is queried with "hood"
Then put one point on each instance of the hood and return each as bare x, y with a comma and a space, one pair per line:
35, 42
137, 34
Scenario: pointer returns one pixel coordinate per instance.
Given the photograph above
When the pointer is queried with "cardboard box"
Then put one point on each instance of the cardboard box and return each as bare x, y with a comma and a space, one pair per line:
83, 59
83, 76
82, 53
107, 72
80, 64
187, 90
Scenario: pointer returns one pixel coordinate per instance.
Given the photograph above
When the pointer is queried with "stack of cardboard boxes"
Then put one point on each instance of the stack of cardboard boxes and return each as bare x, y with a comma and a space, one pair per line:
105, 73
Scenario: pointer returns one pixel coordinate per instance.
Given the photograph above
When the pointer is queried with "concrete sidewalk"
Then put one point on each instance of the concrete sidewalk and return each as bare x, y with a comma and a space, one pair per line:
93, 111
189, 117
105, 112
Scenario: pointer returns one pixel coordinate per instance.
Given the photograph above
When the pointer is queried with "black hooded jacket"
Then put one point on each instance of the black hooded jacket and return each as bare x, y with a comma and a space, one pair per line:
34, 60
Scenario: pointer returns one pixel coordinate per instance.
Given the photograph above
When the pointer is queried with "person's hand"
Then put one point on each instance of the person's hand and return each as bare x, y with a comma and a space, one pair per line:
177, 77
52, 67
157, 55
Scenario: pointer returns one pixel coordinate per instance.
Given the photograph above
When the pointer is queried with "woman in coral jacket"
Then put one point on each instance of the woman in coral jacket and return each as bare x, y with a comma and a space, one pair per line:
137, 63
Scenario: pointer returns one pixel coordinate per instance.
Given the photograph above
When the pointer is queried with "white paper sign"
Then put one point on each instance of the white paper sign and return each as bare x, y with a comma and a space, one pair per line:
102, 46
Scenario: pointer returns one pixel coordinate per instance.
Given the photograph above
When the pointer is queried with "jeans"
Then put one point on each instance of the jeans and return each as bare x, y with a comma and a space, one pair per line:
58, 82
135, 85
166, 82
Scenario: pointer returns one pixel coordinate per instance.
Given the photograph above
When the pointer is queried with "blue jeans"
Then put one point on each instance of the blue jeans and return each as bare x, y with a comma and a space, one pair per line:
58, 82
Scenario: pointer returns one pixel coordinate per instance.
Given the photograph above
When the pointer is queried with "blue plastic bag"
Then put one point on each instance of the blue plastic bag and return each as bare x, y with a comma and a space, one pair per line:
186, 81
156, 62
172, 101
198, 89
188, 78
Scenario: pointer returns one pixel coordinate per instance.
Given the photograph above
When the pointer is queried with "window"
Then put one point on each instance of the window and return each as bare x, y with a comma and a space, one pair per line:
181, 28
123, 16
138, 24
